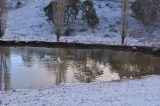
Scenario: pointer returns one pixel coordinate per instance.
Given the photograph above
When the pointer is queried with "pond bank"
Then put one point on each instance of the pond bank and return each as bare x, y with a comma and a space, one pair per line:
145, 49
138, 92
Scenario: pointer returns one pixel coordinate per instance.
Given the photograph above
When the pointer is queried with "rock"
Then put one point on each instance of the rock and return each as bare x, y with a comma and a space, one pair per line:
156, 50
68, 31
99, 6
113, 30
14, 90
19, 4
107, 35
134, 49
82, 29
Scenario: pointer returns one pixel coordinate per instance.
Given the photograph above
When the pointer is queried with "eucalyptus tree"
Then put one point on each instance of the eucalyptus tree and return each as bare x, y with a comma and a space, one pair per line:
125, 7
89, 14
63, 13
59, 16
2, 16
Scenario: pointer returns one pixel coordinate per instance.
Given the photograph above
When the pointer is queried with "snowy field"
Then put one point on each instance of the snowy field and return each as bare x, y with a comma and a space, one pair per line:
139, 92
28, 22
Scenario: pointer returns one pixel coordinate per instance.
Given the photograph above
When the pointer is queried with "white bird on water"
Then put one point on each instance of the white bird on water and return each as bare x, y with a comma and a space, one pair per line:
59, 60
56, 60
47, 56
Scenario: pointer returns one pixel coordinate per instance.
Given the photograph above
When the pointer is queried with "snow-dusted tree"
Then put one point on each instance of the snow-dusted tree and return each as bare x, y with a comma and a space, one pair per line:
125, 7
89, 14
64, 12
147, 11
73, 7
59, 16
2, 16
48, 10
72, 10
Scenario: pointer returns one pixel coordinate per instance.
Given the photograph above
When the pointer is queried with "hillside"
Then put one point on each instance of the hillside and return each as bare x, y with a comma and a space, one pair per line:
28, 22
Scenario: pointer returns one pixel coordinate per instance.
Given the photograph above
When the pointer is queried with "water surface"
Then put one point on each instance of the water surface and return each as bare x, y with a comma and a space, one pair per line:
29, 67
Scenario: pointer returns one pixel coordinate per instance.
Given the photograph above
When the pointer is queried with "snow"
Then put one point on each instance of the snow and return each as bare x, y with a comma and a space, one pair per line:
28, 23
139, 92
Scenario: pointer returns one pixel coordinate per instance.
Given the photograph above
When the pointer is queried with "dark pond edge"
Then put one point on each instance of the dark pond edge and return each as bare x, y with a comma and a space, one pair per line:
145, 49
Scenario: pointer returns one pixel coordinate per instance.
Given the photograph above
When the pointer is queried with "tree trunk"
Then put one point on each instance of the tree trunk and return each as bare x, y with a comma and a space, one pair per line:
58, 35
59, 17
125, 8
2, 16
123, 40
58, 38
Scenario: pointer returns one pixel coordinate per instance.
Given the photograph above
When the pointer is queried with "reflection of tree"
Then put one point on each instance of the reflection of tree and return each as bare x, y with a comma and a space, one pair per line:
87, 71
4, 68
60, 74
56, 67
27, 55
85, 64
31, 56
84, 69
79, 59
133, 65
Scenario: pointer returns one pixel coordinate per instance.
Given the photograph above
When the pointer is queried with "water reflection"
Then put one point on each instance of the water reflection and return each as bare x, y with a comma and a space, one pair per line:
4, 68
43, 67
133, 65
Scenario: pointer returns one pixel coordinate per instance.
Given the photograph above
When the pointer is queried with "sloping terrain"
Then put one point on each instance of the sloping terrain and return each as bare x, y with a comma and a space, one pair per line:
28, 22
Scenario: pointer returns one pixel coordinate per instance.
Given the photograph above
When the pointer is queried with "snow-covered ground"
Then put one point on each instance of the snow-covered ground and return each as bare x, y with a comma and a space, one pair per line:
139, 92
28, 22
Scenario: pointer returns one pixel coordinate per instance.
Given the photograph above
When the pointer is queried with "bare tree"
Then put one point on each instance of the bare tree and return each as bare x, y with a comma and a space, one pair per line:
59, 16
125, 7
2, 16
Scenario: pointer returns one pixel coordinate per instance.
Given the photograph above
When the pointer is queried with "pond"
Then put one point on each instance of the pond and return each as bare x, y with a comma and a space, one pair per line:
30, 67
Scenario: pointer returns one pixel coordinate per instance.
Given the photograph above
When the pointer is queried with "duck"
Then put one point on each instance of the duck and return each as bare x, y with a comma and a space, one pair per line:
53, 60
58, 60
47, 56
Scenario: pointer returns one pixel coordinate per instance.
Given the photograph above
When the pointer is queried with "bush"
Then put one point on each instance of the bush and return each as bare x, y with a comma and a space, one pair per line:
89, 14
146, 11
